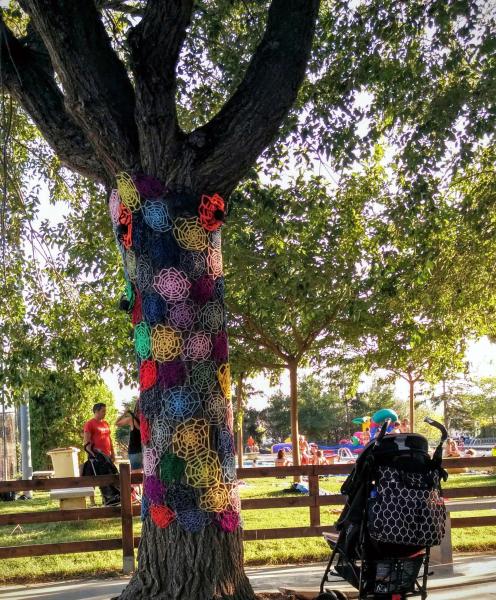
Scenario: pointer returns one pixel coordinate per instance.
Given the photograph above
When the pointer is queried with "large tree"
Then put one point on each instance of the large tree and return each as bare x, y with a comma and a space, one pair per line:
118, 86
110, 113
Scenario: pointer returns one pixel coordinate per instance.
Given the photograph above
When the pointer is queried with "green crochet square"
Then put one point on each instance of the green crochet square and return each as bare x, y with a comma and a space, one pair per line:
171, 468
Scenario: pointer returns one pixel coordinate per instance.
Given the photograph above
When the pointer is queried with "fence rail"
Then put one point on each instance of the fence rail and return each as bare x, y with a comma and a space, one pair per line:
127, 542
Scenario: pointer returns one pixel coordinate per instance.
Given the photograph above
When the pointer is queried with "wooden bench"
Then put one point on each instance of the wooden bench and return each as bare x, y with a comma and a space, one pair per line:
42, 474
73, 498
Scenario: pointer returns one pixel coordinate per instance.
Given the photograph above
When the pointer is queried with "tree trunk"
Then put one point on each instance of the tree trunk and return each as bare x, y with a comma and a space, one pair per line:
293, 391
176, 565
411, 384
446, 412
239, 400
192, 540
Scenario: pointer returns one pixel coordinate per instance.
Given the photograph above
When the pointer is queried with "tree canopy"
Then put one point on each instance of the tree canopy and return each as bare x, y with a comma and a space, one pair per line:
60, 407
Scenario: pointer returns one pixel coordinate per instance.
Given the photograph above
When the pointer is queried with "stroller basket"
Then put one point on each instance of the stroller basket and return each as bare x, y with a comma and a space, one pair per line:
391, 576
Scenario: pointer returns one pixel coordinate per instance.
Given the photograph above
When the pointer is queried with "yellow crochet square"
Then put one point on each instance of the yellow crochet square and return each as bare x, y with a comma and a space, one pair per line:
203, 470
224, 377
166, 343
127, 191
191, 438
189, 234
215, 499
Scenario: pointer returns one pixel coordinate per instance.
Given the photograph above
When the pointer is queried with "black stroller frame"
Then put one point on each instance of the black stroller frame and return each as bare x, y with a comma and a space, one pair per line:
97, 464
394, 577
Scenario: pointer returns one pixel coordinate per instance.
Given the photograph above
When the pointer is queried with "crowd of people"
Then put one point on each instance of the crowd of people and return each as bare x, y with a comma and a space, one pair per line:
310, 454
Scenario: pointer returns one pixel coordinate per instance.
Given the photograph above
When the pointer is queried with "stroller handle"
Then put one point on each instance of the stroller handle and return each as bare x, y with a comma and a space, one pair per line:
382, 432
439, 426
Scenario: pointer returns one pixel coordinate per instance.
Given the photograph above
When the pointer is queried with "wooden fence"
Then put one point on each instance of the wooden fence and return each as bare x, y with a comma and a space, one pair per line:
127, 542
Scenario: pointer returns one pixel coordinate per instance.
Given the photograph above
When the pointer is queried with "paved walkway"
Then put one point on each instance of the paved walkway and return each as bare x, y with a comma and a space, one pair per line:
469, 570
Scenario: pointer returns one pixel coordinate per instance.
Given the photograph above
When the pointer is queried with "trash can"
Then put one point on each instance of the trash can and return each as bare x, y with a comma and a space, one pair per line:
65, 461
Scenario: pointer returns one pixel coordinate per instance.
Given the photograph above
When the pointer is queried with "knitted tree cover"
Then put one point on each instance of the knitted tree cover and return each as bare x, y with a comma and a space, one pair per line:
171, 249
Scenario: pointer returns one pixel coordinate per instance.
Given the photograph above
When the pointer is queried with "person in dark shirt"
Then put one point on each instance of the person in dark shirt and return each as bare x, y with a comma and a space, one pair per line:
134, 451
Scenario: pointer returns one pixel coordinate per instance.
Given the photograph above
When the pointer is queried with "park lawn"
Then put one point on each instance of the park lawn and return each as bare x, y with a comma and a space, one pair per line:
101, 564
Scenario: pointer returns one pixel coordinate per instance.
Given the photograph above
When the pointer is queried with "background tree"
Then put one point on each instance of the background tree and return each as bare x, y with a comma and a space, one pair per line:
455, 399
481, 406
292, 272
59, 409
277, 416
379, 395
428, 307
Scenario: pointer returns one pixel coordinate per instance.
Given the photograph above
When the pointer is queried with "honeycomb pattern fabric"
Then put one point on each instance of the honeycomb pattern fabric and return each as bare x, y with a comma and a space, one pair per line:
408, 508
171, 248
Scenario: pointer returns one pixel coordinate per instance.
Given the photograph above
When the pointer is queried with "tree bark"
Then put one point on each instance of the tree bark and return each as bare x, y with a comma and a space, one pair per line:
97, 91
176, 565
239, 400
411, 385
293, 392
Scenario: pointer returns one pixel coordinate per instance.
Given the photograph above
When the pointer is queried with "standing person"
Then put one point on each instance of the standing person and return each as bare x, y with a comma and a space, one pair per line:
134, 451
250, 443
97, 443
304, 450
97, 433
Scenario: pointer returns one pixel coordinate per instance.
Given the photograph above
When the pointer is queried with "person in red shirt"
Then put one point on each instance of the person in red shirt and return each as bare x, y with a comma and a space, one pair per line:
97, 433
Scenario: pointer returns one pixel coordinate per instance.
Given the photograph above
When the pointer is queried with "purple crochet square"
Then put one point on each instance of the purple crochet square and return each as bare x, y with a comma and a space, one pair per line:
220, 352
171, 374
154, 490
202, 290
149, 187
228, 520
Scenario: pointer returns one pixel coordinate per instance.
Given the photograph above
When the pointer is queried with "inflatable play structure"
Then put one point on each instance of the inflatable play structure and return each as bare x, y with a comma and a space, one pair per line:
367, 429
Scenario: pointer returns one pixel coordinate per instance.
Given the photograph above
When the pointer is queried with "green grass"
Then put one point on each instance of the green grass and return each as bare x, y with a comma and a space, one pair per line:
256, 552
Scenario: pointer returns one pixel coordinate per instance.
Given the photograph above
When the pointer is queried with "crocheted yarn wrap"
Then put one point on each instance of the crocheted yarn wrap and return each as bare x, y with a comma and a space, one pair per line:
170, 243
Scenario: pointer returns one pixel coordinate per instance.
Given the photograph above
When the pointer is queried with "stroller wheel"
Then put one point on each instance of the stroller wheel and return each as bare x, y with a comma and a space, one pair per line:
331, 596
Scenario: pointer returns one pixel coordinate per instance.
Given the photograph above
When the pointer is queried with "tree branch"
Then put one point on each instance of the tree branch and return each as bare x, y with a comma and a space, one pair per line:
263, 339
231, 142
120, 6
98, 93
27, 74
155, 46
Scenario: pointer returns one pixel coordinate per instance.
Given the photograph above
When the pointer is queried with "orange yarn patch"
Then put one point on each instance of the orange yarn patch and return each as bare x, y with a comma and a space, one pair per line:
162, 516
211, 211
126, 219
147, 374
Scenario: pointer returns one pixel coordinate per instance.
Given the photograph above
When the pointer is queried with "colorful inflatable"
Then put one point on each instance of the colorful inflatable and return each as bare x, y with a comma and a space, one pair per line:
385, 413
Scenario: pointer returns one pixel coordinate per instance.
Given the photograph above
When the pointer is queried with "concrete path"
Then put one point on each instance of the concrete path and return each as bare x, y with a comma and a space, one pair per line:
473, 576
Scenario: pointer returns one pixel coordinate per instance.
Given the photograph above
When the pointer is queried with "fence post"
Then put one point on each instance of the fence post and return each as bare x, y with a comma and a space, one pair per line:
126, 519
443, 554
314, 492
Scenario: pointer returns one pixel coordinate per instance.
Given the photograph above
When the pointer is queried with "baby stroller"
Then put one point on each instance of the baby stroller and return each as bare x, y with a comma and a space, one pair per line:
100, 464
393, 515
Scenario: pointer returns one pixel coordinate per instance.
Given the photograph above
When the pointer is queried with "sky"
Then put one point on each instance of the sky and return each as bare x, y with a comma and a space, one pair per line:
481, 355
